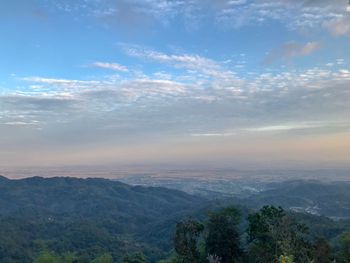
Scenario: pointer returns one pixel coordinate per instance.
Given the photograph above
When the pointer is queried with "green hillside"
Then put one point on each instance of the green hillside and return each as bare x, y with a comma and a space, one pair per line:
71, 220
87, 216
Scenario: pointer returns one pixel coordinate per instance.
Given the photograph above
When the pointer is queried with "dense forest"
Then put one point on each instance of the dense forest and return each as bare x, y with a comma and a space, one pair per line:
66, 220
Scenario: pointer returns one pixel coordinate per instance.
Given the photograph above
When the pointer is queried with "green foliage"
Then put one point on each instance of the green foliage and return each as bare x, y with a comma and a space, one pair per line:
273, 236
186, 237
173, 258
87, 216
286, 259
223, 239
272, 233
48, 257
135, 258
344, 253
322, 251
331, 199
104, 258
102, 220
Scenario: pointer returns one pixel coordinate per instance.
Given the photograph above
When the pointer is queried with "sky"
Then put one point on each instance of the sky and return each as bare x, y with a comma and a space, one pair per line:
182, 82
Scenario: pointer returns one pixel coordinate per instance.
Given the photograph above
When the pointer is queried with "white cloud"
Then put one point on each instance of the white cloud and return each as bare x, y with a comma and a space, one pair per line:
304, 15
198, 67
211, 134
205, 100
194, 62
62, 82
286, 127
111, 66
20, 123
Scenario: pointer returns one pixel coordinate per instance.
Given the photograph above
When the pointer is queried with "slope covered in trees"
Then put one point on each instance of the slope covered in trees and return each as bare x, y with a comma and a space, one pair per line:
66, 220
87, 216
320, 198
269, 235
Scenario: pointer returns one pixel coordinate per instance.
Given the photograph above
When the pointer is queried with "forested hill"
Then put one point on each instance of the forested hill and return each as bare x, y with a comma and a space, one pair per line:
331, 199
66, 220
90, 197
88, 216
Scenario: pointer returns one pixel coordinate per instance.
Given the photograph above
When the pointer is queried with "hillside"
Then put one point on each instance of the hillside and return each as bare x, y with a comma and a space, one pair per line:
92, 216
89, 216
313, 197
317, 197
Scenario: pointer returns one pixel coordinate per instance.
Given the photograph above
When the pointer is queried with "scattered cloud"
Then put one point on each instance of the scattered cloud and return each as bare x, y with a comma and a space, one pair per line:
125, 111
111, 66
339, 26
301, 96
20, 123
228, 13
163, 92
198, 68
69, 83
194, 62
211, 134
288, 127
291, 50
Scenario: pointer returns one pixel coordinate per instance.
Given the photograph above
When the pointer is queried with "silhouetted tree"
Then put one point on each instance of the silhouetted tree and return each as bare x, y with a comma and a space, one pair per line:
223, 239
186, 237
322, 251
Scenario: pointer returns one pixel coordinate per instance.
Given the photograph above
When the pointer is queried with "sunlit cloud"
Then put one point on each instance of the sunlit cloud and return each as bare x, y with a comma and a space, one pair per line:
291, 50
339, 26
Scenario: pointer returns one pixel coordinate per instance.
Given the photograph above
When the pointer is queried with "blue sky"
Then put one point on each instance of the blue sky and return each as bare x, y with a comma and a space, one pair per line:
156, 81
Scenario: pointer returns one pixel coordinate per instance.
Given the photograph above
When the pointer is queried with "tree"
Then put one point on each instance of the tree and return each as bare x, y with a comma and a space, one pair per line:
286, 259
104, 258
344, 254
47, 257
186, 237
223, 239
50, 257
272, 234
135, 258
214, 259
322, 251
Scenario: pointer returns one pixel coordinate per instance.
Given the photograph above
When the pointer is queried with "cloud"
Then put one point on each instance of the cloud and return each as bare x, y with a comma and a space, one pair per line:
133, 15
263, 98
203, 99
339, 26
291, 50
211, 134
301, 126
181, 61
20, 123
72, 83
116, 114
289, 127
195, 64
111, 66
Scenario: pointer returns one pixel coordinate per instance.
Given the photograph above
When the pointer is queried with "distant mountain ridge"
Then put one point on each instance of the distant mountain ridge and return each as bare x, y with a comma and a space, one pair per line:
88, 215
317, 197
330, 199
60, 195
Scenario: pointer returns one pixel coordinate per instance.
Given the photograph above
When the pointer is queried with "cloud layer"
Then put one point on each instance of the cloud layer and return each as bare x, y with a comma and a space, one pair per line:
232, 78
296, 15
